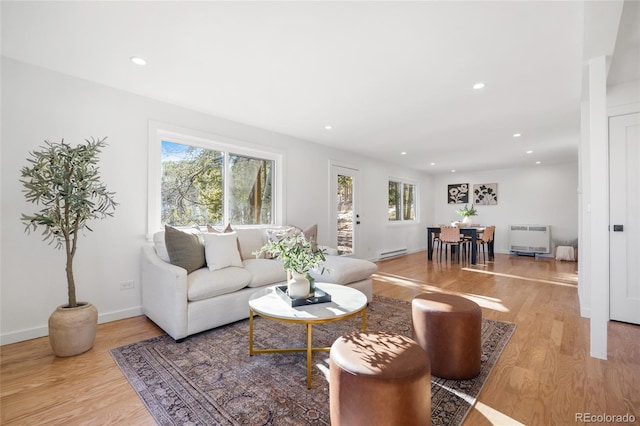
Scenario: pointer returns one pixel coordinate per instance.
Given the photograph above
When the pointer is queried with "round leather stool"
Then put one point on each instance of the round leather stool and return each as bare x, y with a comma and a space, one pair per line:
379, 378
448, 327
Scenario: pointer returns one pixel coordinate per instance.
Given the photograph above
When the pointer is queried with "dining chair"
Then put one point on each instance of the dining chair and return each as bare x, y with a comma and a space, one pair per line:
450, 237
437, 242
486, 238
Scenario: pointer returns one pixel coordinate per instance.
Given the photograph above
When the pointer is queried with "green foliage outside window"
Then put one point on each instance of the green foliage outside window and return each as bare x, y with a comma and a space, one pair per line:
193, 187
402, 204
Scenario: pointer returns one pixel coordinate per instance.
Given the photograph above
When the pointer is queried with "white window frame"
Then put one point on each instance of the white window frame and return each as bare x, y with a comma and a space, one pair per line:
402, 182
161, 131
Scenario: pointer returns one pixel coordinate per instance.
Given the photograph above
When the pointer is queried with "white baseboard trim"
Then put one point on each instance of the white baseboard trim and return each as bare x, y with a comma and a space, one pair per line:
118, 315
22, 335
42, 331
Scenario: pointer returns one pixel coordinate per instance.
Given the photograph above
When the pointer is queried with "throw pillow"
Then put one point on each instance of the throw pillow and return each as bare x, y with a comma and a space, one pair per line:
311, 233
221, 250
185, 248
275, 235
211, 228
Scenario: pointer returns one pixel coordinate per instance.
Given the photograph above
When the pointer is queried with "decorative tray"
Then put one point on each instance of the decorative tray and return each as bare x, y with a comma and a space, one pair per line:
318, 297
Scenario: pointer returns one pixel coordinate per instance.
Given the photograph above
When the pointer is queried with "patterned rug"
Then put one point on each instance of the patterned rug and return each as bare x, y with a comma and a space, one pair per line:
210, 379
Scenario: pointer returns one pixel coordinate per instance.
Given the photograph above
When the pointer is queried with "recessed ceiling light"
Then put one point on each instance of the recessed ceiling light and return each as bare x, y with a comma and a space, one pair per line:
538, 162
403, 153
478, 86
138, 60
517, 135
328, 127
433, 164
529, 152
453, 171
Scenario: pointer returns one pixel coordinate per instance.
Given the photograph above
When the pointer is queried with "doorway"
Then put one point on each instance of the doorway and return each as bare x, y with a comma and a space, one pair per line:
344, 207
624, 221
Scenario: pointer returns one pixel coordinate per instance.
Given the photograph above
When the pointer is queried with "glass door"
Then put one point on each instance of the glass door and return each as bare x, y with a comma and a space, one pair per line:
344, 198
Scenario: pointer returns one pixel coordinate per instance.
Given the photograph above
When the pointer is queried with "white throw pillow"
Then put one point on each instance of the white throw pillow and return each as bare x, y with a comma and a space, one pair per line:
221, 250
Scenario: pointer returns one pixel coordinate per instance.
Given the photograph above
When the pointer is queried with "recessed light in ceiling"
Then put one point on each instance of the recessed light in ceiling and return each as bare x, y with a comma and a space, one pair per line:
138, 60
517, 135
453, 170
433, 164
478, 86
403, 153
529, 152
328, 127
538, 162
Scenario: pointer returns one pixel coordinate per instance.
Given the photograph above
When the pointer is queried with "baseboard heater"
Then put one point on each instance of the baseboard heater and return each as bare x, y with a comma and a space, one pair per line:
392, 253
530, 239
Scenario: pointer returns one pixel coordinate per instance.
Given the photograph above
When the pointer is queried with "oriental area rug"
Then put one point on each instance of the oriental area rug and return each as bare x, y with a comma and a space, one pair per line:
210, 379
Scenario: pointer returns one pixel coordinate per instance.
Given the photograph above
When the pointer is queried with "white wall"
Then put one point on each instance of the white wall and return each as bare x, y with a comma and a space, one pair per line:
541, 194
38, 104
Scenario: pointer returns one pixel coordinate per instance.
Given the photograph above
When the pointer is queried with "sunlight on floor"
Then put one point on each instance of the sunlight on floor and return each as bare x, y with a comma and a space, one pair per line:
520, 277
468, 398
403, 281
487, 302
324, 369
494, 416
484, 301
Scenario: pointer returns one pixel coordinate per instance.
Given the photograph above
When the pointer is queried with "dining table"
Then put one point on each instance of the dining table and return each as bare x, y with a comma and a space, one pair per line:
473, 232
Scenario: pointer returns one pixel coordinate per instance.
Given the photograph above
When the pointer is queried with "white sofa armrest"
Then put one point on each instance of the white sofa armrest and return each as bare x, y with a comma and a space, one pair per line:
164, 293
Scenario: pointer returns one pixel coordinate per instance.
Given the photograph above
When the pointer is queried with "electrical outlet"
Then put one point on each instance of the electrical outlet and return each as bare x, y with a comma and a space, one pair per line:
126, 285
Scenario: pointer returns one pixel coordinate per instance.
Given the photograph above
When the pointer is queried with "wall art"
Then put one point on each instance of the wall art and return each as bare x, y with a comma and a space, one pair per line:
485, 194
458, 193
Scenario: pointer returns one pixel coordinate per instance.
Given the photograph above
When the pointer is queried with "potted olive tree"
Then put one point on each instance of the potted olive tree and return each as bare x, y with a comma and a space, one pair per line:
65, 181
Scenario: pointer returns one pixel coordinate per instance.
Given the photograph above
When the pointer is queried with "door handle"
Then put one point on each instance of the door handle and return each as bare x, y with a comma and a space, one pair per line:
618, 228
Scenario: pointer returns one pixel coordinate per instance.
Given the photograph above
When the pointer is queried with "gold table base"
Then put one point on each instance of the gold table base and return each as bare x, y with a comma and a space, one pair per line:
309, 322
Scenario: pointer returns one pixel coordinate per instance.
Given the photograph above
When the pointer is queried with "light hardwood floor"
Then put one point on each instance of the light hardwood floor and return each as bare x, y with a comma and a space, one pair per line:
544, 376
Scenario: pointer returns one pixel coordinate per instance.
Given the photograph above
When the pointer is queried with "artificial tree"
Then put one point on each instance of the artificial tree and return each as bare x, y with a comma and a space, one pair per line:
65, 181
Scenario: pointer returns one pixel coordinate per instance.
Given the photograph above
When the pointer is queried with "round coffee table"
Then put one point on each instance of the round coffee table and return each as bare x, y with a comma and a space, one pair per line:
346, 302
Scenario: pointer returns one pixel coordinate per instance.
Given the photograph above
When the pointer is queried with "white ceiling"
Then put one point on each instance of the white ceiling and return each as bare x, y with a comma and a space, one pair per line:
388, 76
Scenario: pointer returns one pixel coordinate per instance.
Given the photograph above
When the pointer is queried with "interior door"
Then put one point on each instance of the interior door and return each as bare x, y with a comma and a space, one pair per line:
344, 208
624, 229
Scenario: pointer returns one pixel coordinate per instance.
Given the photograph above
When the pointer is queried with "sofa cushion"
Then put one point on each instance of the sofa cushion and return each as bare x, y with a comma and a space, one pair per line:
250, 240
185, 248
344, 270
265, 271
221, 250
204, 284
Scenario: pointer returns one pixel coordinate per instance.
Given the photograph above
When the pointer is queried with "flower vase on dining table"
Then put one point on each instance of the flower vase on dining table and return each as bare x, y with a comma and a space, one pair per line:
467, 221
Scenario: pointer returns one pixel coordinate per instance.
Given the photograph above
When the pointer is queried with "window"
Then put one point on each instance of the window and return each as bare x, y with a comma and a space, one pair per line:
402, 200
206, 180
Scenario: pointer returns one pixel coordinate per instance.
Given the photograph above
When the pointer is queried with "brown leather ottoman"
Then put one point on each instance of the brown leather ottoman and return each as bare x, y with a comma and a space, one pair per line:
379, 378
448, 327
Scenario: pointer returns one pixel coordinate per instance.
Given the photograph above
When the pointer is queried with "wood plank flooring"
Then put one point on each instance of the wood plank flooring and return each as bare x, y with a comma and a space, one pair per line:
544, 376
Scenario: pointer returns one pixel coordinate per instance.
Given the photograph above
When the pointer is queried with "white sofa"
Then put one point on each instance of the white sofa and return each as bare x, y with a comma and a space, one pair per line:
183, 304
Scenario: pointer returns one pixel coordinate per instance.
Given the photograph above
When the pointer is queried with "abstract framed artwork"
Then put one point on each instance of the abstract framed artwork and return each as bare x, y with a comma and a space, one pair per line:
458, 193
485, 194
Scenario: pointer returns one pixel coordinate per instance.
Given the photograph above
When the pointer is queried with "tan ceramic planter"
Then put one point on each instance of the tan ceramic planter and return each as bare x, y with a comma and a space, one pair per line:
73, 330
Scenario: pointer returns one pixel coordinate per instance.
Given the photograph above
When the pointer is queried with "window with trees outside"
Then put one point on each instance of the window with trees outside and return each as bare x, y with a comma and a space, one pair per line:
402, 200
194, 192
206, 182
